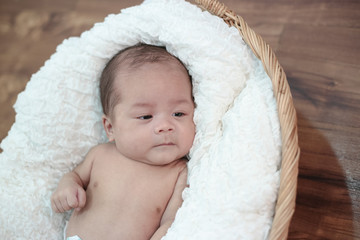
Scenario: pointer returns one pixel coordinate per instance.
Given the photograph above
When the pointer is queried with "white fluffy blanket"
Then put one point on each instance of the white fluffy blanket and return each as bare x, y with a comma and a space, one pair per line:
234, 166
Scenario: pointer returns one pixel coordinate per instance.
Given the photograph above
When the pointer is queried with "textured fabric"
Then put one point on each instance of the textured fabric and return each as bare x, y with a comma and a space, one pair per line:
234, 166
76, 237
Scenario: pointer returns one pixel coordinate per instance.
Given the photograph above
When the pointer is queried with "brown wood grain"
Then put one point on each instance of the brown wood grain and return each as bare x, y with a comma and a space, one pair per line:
316, 42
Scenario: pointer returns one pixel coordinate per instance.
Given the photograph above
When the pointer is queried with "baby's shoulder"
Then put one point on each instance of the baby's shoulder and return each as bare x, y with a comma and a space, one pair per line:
101, 149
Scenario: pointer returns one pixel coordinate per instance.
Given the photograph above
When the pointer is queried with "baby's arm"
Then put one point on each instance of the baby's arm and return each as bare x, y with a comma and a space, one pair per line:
172, 207
70, 192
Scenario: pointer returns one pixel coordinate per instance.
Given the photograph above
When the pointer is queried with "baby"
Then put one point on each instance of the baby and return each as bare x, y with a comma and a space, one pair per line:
131, 187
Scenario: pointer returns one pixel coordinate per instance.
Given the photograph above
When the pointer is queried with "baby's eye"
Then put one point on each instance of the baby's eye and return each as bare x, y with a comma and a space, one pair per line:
178, 114
145, 117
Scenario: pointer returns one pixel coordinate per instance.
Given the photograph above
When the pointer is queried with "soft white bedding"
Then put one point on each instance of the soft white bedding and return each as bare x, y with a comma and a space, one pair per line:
234, 166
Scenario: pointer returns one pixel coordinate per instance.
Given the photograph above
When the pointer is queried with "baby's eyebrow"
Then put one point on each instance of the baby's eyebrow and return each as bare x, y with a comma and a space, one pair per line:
147, 104
142, 105
181, 101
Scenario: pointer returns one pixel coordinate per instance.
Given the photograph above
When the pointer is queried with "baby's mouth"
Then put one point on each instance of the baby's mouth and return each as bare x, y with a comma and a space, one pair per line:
165, 144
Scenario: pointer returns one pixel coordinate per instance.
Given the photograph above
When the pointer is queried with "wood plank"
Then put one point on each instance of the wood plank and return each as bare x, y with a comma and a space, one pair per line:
14, 7
327, 13
321, 43
101, 9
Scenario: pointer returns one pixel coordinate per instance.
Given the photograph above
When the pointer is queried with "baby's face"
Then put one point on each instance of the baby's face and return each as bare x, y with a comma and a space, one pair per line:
153, 122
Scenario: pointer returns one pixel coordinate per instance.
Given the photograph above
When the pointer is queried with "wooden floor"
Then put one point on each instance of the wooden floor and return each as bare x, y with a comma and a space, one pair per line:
318, 45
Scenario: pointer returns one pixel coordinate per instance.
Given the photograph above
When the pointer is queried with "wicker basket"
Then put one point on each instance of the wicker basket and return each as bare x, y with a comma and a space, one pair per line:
285, 205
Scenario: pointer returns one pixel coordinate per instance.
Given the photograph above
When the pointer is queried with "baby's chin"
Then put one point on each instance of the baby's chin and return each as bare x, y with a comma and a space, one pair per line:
161, 162
164, 160
161, 156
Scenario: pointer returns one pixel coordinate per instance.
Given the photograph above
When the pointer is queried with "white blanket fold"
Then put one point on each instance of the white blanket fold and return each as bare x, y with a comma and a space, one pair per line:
234, 166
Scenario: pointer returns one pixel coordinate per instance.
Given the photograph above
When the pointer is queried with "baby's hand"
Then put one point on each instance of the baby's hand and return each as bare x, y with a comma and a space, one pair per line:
67, 196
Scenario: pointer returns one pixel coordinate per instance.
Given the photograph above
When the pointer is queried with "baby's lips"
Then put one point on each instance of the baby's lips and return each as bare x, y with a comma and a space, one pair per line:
165, 144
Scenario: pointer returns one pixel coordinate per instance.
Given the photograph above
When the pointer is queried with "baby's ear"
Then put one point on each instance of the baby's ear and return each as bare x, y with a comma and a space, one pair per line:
108, 127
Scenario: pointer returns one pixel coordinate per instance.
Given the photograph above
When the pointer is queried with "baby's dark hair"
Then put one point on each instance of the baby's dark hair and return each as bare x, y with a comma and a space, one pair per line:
129, 59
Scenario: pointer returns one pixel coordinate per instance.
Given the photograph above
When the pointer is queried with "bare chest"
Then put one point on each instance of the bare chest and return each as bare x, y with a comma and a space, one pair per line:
124, 200
132, 187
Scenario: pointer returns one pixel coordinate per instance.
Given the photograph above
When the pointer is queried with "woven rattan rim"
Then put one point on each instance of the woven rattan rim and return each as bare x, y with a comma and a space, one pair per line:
285, 205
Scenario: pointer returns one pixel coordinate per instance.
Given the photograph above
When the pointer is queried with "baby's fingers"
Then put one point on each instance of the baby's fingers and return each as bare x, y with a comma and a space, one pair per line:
57, 206
71, 202
81, 197
55, 203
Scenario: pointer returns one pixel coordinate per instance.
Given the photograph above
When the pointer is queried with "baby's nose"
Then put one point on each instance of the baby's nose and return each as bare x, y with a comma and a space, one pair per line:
164, 126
